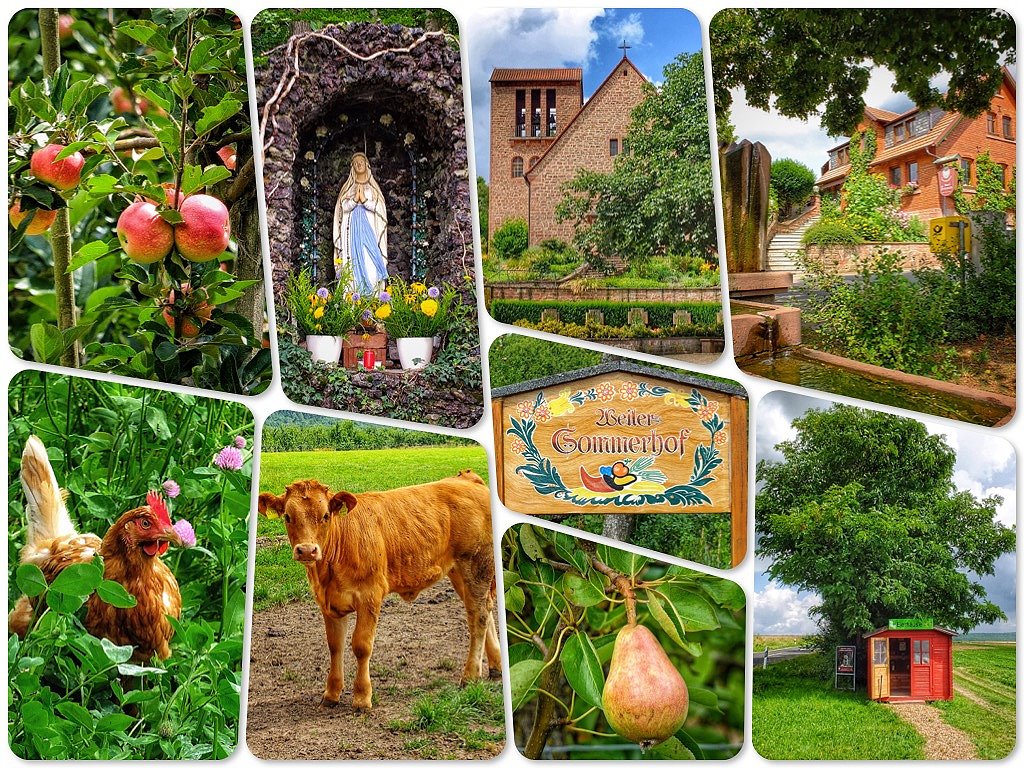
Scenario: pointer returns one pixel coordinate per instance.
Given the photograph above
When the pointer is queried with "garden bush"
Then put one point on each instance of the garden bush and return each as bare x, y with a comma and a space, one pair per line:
599, 331
513, 358
71, 695
511, 239
344, 435
793, 183
659, 314
882, 316
831, 232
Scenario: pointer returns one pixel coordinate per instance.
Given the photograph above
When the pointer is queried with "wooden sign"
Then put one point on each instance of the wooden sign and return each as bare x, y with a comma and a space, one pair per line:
620, 438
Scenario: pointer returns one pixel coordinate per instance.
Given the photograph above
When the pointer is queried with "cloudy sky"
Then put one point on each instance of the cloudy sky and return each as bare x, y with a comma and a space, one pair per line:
567, 37
985, 466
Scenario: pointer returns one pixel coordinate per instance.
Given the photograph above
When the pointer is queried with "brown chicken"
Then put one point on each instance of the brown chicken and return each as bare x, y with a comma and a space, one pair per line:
131, 553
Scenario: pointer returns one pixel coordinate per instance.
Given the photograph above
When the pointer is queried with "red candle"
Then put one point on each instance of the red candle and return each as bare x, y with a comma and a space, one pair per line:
369, 359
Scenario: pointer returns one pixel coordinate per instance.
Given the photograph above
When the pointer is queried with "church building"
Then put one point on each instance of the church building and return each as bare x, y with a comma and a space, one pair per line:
543, 133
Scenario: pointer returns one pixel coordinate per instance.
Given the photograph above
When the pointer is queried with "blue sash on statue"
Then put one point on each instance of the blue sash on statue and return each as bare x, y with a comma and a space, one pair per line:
368, 267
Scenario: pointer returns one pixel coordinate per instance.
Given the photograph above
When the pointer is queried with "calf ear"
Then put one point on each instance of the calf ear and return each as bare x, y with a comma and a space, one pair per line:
342, 500
270, 505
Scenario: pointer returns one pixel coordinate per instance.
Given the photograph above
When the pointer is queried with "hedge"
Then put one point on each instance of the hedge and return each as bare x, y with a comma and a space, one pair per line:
659, 314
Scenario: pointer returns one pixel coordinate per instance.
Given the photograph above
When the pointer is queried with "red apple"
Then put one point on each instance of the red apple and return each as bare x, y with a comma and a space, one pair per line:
121, 101
41, 221
191, 312
172, 198
64, 22
228, 156
206, 230
145, 237
62, 174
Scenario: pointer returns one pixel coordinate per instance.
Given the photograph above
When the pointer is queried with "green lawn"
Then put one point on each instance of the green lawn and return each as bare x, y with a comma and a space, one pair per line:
474, 714
798, 715
772, 642
988, 672
278, 580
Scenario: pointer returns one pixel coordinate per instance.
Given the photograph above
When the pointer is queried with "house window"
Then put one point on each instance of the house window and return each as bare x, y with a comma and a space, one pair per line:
520, 131
896, 176
625, 146
991, 123
965, 171
613, 147
517, 167
912, 173
1007, 127
880, 648
533, 161
1004, 174
922, 651
535, 112
552, 113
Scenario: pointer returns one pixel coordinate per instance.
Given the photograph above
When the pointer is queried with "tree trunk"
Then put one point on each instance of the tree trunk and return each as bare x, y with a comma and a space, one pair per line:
60, 232
618, 527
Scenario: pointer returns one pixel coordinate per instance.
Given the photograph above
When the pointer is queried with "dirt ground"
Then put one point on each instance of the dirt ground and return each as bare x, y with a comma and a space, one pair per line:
419, 645
941, 740
989, 363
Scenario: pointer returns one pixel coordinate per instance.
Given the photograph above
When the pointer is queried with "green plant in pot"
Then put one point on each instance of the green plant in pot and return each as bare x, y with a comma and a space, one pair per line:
322, 316
414, 314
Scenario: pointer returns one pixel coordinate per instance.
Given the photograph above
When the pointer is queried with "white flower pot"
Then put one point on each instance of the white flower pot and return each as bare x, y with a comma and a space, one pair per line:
415, 352
325, 349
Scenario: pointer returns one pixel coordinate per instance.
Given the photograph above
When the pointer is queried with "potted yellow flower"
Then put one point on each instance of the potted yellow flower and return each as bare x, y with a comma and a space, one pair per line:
413, 314
322, 316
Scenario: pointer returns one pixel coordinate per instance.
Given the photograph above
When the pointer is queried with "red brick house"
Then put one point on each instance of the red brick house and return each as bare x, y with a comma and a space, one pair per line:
542, 133
910, 142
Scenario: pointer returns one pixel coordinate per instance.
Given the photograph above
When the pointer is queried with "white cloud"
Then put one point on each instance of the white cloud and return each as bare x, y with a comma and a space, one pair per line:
630, 29
520, 37
774, 425
781, 610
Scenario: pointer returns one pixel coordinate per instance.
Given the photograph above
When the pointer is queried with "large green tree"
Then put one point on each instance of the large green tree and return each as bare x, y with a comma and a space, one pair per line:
862, 510
795, 60
658, 200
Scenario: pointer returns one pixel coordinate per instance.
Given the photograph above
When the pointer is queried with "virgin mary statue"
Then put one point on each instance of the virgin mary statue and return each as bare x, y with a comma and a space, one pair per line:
360, 229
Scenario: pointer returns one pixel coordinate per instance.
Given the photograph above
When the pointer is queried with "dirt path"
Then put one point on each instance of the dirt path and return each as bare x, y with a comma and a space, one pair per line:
419, 646
941, 740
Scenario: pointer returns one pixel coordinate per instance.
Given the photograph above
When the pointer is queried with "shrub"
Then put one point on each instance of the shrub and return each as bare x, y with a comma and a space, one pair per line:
793, 183
513, 358
831, 232
615, 313
882, 316
599, 331
511, 239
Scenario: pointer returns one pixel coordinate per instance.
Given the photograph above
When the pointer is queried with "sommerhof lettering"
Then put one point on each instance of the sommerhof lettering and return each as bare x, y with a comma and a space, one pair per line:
566, 442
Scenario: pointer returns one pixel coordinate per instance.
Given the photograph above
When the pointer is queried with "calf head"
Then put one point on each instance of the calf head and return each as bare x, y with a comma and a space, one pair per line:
308, 508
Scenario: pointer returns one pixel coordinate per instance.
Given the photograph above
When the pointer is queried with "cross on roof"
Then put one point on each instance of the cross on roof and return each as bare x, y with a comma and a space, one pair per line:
624, 48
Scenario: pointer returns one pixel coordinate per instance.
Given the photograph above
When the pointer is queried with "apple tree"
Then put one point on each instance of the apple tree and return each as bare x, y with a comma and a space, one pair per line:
134, 248
598, 641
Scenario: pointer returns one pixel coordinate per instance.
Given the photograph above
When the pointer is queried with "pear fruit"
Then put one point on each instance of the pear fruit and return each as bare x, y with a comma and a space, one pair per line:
645, 698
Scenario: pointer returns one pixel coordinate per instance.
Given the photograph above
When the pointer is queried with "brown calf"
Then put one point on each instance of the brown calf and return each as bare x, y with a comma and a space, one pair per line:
358, 548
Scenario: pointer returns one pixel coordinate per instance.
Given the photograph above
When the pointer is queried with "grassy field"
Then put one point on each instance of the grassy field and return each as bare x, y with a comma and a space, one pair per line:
278, 579
984, 707
798, 715
772, 642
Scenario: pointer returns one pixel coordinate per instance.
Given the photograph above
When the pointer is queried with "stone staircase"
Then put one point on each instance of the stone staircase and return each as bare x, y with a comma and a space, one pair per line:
616, 265
786, 242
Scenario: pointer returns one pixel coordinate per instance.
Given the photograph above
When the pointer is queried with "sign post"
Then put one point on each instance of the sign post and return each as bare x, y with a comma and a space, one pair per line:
911, 624
846, 667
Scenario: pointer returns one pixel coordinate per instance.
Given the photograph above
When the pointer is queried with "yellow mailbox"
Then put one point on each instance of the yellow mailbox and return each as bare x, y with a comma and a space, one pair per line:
944, 235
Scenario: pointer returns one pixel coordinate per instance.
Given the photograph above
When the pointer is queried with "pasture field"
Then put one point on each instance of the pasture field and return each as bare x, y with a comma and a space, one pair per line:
985, 682
798, 715
419, 710
774, 642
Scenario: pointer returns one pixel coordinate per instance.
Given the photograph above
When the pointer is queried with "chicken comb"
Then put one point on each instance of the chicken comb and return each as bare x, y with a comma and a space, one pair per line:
159, 507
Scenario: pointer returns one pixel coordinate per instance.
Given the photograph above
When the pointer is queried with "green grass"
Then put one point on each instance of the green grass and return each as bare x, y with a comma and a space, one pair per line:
475, 714
798, 715
988, 672
774, 642
278, 579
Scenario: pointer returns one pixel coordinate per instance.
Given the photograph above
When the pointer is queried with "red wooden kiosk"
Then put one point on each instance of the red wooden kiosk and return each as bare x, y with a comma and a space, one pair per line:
910, 660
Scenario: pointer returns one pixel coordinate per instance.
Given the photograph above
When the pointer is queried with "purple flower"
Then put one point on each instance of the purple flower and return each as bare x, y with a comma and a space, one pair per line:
323, 293
172, 489
229, 458
356, 298
186, 533
384, 297
239, 442
367, 314
433, 291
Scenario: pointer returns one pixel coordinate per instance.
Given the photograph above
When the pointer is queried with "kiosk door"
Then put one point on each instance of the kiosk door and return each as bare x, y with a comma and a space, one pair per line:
880, 667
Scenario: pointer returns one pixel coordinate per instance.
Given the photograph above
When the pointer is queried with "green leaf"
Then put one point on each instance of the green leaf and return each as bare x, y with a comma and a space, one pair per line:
216, 114
622, 561
724, 592
191, 179
515, 599
47, 343
79, 580
116, 653
582, 592
61, 603
670, 749
508, 578
115, 722
115, 594
692, 611
522, 678
157, 421
659, 614
704, 697
89, 253
135, 670
530, 543
687, 741
77, 713
139, 31
582, 668
214, 174
568, 549
30, 579
172, 217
